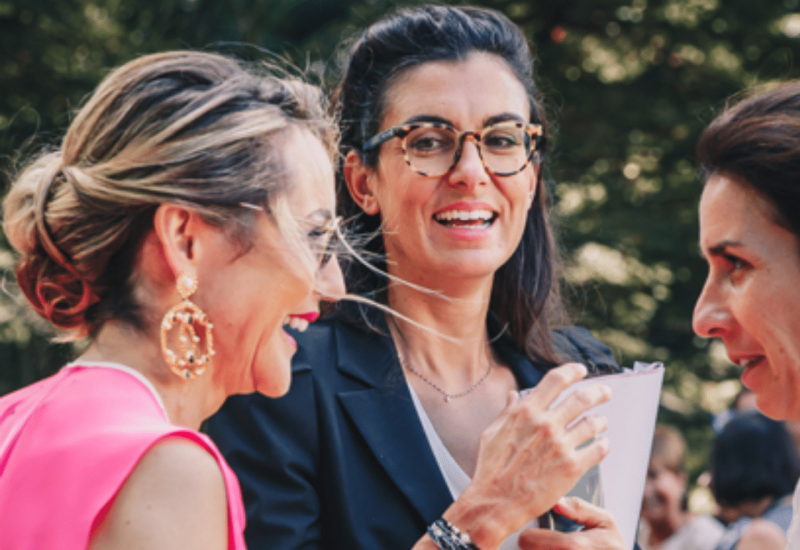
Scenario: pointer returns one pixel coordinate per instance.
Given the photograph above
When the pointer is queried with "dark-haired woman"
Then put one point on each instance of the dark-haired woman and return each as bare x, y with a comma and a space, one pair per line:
182, 221
411, 423
750, 235
754, 468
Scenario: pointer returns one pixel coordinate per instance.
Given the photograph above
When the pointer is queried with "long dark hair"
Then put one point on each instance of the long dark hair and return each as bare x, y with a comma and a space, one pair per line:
756, 140
525, 295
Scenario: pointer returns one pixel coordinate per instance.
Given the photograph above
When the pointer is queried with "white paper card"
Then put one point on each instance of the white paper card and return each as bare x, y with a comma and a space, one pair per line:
631, 414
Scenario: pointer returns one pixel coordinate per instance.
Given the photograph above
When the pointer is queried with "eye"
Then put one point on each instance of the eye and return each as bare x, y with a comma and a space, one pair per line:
430, 141
318, 239
502, 139
316, 233
735, 267
734, 262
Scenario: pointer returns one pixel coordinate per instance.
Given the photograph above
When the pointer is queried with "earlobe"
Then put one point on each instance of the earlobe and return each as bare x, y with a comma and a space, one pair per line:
533, 192
361, 183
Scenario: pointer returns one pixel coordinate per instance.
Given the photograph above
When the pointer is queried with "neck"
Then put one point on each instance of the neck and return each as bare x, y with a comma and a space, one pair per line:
755, 508
453, 347
668, 526
187, 402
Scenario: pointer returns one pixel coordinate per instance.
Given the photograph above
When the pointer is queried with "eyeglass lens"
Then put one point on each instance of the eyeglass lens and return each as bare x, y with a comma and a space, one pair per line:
433, 151
323, 243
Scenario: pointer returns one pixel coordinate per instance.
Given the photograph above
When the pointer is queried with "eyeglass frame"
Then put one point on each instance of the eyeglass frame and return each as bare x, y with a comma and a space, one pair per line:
534, 130
331, 228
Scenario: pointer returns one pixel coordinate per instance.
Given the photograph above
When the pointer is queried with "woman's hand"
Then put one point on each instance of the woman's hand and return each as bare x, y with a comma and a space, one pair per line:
529, 457
600, 533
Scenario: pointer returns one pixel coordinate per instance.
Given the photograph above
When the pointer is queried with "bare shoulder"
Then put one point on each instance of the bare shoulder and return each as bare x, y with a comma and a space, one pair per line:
762, 534
175, 498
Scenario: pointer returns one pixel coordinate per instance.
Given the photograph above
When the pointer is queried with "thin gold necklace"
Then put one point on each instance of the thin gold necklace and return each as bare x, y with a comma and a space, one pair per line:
448, 396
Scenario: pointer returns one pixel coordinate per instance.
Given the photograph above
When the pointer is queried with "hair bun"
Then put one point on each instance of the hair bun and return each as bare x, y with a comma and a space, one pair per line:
53, 286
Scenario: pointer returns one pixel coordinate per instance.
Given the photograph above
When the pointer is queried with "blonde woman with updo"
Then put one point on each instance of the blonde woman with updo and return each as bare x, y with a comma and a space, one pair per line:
186, 216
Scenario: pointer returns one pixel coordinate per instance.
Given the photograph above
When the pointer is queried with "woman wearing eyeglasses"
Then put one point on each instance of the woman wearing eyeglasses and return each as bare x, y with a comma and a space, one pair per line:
407, 428
183, 220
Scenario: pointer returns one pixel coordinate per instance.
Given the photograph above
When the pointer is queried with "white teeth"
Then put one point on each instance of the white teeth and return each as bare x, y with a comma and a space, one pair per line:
296, 323
464, 215
744, 363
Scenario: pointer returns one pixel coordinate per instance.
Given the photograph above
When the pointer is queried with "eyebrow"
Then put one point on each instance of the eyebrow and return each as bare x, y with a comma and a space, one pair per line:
427, 118
720, 248
502, 117
321, 214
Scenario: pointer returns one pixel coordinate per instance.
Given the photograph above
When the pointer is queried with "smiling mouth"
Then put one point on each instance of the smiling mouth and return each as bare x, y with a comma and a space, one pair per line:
473, 219
652, 502
751, 362
296, 323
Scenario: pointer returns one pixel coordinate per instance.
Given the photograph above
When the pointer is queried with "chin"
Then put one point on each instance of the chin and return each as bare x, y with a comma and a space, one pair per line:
272, 371
774, 408
274, 386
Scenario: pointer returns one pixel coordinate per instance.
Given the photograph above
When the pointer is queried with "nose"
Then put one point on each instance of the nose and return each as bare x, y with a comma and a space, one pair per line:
711, 318
469, 171
330, 281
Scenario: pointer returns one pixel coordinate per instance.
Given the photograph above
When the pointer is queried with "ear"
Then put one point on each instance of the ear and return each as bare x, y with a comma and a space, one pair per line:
533, 190
179, 231
361, 183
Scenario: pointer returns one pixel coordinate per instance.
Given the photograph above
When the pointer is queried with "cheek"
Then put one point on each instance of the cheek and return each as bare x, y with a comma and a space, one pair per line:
519, 192
667, 485
397, 204
675, 487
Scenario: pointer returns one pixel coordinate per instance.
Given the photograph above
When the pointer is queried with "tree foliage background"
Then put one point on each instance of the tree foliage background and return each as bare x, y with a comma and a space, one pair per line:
631, 83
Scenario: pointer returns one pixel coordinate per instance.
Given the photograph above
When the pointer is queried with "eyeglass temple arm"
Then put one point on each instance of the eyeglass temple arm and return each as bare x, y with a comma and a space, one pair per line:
383, 137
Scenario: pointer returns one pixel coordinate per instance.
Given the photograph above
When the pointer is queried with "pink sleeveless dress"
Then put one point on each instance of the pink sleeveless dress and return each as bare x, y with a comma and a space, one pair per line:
69, 442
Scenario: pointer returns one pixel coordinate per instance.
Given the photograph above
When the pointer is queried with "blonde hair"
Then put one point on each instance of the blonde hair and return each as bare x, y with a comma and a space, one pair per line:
196, 129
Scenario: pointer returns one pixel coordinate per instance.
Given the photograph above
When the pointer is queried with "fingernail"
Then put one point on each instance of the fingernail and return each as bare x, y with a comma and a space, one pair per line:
582, 370
606, 390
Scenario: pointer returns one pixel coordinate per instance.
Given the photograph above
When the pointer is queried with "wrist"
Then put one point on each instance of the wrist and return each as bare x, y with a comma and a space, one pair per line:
478, 523
447, 536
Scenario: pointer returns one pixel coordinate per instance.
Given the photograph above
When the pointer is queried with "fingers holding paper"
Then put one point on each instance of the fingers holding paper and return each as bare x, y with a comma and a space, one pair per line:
600, 533
533, 453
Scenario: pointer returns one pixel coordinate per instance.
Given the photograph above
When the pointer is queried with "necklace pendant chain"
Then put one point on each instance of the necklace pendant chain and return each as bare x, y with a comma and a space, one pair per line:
448, 396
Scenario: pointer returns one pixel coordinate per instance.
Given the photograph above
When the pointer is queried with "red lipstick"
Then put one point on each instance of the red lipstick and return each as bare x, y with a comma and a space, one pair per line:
311, 316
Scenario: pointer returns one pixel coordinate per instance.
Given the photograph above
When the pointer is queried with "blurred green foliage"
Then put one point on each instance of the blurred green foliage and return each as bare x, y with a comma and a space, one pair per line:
631, 83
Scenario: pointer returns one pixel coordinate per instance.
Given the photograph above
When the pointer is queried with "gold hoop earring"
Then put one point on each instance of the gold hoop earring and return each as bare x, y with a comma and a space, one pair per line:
191, 361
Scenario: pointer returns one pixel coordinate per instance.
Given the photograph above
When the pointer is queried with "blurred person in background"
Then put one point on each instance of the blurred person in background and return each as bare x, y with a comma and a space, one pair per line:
754, 467
749, 159
667, 523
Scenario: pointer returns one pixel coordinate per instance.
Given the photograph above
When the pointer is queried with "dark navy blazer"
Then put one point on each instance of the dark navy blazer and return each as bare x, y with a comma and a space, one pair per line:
342, 460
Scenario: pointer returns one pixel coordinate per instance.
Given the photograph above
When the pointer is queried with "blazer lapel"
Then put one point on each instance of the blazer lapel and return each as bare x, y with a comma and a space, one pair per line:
383, 412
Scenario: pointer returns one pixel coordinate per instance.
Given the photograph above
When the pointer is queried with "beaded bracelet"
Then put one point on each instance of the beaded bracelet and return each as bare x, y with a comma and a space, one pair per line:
449, 537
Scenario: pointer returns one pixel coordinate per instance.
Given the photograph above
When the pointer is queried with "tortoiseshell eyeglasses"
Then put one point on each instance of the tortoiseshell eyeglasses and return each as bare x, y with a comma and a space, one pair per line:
434, 148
